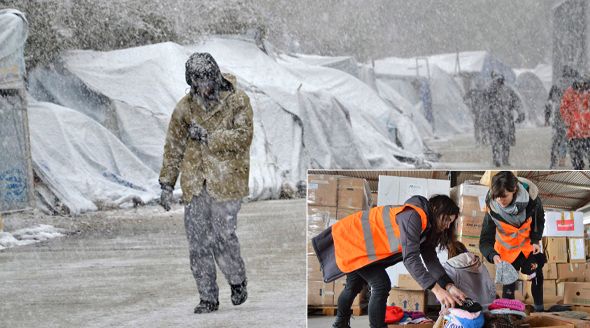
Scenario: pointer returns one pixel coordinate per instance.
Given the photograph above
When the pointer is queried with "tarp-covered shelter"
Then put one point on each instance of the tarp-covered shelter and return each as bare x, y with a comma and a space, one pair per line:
16, 178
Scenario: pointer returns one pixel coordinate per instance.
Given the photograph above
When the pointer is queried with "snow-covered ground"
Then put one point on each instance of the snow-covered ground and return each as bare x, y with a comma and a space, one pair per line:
532, 151
28, 236
130, 268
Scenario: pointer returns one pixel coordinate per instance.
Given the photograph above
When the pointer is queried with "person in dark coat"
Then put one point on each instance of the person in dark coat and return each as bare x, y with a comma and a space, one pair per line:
502, 103
418, 244
514, 205
475, 102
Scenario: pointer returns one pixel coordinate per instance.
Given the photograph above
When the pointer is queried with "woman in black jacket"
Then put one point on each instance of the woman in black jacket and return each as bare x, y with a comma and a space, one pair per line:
512, 230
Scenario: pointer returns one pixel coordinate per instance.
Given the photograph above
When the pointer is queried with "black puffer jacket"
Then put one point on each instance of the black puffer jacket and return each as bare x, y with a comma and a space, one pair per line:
534, 210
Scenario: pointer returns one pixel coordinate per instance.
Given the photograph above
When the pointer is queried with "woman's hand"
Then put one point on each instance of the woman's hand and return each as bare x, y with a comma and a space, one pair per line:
497, 259
444, 297
457, 293
536, 249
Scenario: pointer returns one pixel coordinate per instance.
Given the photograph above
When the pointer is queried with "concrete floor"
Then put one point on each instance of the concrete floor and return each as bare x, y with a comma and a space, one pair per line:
326, 322
532, 151
130, 268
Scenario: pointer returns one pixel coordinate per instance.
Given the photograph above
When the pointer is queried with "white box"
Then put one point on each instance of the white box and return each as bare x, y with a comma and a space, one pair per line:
564, 224
396, 190
576, 248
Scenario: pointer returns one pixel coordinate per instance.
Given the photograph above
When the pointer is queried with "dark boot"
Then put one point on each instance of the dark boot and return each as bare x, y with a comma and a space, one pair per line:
239, 293
206, 307
342, 319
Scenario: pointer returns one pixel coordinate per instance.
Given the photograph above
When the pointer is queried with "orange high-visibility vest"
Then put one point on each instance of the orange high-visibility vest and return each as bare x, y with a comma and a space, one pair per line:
368, 236
510, 240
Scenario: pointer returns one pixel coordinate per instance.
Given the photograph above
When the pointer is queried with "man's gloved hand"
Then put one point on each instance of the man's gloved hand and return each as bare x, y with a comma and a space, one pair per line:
197, 132
520, 118
166, 196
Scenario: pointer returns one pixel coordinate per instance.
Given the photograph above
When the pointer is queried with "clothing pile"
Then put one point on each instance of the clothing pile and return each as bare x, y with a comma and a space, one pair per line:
508, 307
468, 315
395, 315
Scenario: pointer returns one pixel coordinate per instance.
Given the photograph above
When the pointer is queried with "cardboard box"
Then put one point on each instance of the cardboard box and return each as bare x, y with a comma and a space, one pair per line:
576, 250
353, 193
486, 179
320, 293
549, 291
322, 190
344, 212
339, 285
396, 190
571, 271
554, 248
564, 224
547, 321
471, 199
577, 293
576, 322
408, 300
472, 244
420, 325
550, 271
313, 269
405, 281
468, 226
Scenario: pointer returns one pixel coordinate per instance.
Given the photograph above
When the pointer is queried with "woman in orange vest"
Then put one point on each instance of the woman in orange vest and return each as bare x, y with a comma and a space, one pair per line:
512, 229
364, 244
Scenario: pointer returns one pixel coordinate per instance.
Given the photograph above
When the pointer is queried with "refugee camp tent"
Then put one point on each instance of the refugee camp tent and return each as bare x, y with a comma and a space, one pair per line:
300, 122
428, 87
16, 177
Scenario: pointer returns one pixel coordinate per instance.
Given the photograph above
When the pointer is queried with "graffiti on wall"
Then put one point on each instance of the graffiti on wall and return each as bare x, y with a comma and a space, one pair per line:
13, 186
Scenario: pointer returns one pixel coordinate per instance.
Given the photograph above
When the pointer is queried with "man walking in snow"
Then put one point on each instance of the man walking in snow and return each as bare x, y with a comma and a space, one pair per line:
502, 103
208, 144
475, 102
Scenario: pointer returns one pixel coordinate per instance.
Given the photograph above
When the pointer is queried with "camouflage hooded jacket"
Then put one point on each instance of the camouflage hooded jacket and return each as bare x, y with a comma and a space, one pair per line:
224, 161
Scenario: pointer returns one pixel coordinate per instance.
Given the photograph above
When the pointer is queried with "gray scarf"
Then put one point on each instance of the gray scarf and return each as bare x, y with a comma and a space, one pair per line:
515, 213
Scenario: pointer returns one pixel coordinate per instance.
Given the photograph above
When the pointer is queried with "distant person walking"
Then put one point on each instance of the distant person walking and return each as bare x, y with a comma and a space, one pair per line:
553, 116
208, 142
576, 117
474, 99
502, 103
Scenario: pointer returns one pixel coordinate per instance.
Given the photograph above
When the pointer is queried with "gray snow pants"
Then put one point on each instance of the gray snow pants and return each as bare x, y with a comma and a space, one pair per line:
500, 151
211, 232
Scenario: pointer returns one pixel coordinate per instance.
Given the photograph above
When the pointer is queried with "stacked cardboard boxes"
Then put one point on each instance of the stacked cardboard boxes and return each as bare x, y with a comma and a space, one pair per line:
471, 201
330, 198
408, 294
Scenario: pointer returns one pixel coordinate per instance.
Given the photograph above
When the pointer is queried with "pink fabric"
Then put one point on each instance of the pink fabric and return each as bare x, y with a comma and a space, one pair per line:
504, 303
464, 314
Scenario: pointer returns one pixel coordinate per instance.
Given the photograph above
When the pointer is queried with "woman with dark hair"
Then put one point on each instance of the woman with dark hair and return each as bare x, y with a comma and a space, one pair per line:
364, 244
512, 229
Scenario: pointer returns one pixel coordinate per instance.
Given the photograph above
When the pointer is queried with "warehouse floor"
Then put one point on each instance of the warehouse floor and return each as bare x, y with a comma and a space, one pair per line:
130, 268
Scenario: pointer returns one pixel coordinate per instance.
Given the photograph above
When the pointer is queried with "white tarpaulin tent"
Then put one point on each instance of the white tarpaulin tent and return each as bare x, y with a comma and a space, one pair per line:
16, 176
300, 121
450, 114
13, 35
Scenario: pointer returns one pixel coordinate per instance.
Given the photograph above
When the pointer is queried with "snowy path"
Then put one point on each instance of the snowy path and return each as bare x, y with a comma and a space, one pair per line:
129, 268
532, 150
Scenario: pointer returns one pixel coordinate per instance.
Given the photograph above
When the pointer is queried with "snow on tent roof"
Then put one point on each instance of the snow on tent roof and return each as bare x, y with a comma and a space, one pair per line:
344, 63
480, 62
300, 122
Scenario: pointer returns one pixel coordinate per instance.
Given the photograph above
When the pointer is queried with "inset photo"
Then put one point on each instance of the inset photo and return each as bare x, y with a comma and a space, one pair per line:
447, 248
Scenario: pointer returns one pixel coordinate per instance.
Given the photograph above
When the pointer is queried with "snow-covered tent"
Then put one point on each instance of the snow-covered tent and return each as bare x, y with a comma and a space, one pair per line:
534, 95
16, 175
427, 87
305, 116
344, 63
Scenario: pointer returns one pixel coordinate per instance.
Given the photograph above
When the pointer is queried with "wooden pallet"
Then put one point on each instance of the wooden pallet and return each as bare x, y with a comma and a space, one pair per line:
330, 310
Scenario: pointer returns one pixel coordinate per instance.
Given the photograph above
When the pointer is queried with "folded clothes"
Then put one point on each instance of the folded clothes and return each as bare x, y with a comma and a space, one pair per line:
504, 303
417, 321
415, 314
508, 311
